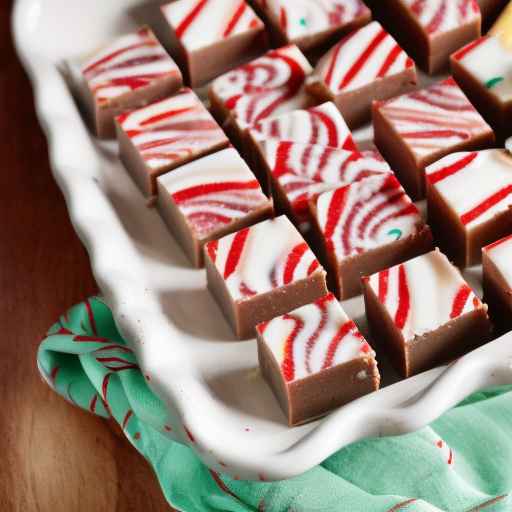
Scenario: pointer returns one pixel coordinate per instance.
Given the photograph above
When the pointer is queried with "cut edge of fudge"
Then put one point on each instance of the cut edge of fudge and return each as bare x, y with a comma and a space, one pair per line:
497, 288
394, 70
219, 213
345, 271
235, 46
249, 307
147, 121
306, 397
467, 326
459, 238
134, 90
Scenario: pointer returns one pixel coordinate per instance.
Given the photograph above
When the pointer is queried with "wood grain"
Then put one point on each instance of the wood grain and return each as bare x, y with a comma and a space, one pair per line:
54, 457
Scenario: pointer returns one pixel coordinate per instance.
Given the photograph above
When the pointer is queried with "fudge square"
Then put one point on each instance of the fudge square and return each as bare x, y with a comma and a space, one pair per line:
418, 128
497, 281
312, 24
424, 313
209, 198
366, 65
483, 69
300, 172
164, 135
315, 359
364, 227
430, 30
261, 272
208, 37
128, 73
265, 87
469, 197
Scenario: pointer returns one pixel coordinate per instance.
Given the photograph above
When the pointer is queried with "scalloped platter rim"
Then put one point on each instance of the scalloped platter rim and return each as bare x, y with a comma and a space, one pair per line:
217, 401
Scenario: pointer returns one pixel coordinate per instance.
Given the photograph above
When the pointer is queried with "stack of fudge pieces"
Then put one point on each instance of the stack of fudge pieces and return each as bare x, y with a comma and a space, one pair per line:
267, 188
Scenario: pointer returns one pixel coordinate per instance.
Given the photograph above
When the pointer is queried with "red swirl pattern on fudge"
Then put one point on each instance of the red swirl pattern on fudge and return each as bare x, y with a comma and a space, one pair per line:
302, 18
263, 257
365, 215
214, 191
360, 58
313, 338
199, 23
437, 16
304, 171
284, 67
476, 184
322, 125
423, 294
130, 62
267, 86
171, 130
434, 118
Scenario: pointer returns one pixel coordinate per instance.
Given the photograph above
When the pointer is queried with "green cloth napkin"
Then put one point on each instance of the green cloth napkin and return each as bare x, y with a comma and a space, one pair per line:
462, 462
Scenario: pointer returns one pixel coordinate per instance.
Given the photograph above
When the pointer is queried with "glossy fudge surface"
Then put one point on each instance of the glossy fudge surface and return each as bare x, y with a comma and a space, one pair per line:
315, 359
300, 172
261, 272
418, 128
165, 134
366, 226
129, 72
424, 312
470, 201
365, 65
209, 198
312, 23
212, 36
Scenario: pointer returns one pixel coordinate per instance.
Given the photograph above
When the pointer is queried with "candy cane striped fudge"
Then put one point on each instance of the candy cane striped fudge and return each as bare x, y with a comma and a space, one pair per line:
261, 272
418, 128
209, 198
209, 37
483, 69
469, 197
497, 281
365, 65
263, 88
422, 313
430, 30
128, 73
323, 125
312, 24
300, 172
315, 359
364, 227
165, 134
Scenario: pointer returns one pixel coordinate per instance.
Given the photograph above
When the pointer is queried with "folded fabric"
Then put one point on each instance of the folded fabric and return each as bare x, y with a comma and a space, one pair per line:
462, 462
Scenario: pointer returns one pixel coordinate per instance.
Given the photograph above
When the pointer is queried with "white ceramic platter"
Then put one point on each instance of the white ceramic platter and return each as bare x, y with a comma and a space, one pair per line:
208, 380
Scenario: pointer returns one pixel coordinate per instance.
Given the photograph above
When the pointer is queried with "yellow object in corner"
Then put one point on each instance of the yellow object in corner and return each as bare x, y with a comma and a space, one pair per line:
503, 26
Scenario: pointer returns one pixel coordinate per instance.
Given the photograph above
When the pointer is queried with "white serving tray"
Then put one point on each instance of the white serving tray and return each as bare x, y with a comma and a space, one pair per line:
209, 381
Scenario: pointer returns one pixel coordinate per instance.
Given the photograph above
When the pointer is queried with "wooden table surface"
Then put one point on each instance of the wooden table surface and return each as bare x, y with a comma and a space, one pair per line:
54, 456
